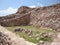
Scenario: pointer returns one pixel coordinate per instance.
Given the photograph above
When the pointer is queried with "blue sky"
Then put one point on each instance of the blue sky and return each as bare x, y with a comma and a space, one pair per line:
11, 6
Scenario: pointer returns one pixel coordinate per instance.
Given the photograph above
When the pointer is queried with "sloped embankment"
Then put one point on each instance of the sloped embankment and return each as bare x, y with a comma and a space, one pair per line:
13, 39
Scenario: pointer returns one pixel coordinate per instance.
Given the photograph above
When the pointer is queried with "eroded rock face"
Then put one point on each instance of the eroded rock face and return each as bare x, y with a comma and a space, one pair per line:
4, 39
41, 17
17, 19
23, 10
46, 17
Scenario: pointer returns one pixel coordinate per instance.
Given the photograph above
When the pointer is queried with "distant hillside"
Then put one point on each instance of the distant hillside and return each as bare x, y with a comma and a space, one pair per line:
42, 17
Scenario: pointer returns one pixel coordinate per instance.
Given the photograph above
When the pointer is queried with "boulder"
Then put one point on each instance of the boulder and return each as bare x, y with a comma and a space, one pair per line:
18, 30
4, 39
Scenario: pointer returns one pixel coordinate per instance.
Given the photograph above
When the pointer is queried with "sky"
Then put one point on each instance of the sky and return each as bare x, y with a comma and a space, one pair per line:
11, 6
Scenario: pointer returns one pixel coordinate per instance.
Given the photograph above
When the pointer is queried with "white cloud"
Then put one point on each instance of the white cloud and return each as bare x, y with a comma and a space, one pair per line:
8, 11
33, 6
39, 4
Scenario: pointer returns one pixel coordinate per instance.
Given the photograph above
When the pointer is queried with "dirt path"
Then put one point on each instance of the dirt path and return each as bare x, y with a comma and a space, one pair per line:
15, 39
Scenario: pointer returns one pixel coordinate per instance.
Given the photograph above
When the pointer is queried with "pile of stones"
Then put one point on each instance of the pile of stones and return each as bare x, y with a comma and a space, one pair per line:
4, 39
26, 31
18, 30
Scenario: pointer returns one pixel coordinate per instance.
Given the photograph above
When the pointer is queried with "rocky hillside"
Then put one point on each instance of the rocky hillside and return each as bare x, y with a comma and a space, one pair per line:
18, 18
46, 17
42, 17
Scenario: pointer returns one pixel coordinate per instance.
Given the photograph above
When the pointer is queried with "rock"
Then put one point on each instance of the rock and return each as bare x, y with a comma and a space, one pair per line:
30, 36
44, 43
28, 31
37, 35
52, 34
4, 40
18, 30
41, 42
38, 38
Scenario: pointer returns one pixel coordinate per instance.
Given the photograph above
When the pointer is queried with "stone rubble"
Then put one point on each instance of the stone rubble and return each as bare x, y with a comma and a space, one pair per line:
27, 31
